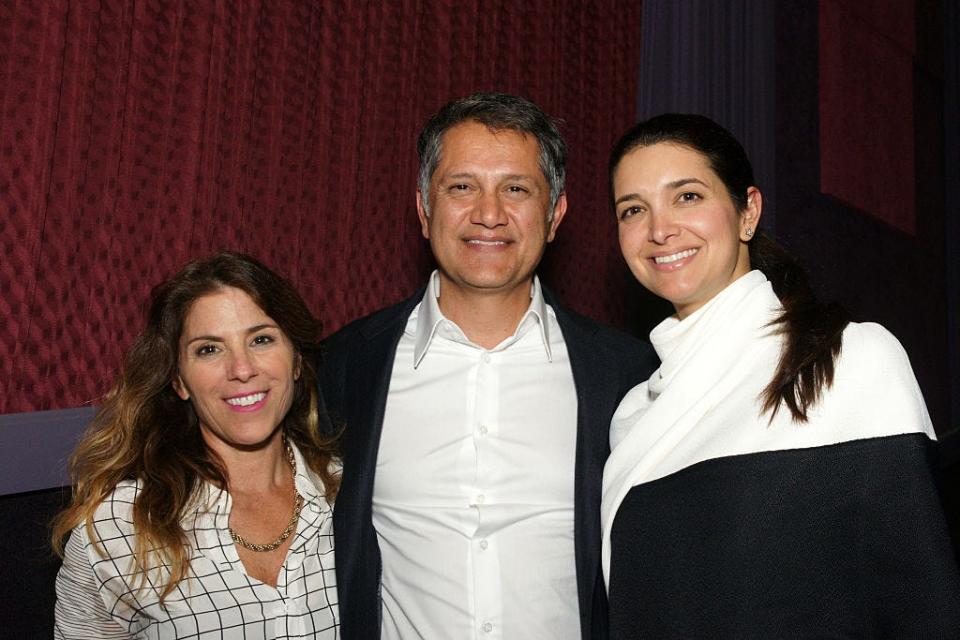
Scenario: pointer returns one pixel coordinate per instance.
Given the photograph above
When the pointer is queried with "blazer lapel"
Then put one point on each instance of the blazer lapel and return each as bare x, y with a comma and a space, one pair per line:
596, 392
368, 377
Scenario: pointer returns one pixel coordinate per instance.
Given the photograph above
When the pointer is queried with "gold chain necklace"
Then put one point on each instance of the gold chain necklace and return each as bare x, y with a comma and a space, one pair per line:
291, 526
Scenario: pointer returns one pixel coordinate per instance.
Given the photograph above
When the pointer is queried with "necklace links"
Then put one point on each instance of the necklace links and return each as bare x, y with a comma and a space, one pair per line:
291, 526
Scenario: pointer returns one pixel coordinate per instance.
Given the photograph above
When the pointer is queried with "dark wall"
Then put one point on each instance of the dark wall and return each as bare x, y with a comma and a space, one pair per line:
880, 272
899, 277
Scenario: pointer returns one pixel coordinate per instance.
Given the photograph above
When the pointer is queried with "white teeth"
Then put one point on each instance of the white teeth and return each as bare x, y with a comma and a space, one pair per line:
246, 401
486, 242
675, 257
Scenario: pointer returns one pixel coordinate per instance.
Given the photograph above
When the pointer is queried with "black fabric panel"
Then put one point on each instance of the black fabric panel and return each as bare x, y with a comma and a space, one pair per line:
28, 566
841, 541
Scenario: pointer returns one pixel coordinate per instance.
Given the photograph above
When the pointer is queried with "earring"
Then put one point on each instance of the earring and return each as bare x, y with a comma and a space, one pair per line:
749, 232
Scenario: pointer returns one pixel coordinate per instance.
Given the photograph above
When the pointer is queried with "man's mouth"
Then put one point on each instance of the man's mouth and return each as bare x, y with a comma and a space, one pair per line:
487, 243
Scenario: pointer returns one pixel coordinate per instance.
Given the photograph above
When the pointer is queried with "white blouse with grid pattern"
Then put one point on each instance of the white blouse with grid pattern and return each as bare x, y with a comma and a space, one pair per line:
97, 596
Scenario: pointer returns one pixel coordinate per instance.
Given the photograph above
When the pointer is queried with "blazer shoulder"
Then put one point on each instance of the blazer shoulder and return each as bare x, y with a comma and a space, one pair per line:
631, 353
603, 333
628, 354
371, 324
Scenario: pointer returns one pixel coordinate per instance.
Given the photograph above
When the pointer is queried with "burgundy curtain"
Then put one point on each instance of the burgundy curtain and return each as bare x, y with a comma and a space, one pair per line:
135, 135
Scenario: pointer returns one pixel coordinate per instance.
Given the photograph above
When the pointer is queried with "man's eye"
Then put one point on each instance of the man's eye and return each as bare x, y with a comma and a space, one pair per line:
459, 187
515, 188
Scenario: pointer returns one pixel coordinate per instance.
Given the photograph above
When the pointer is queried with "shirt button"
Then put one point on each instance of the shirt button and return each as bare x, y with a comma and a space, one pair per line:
483, 429
481, 498
486, 358
487, 627
483, 545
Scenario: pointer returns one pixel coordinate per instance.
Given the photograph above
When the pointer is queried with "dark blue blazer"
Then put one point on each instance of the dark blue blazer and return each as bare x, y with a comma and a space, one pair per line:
355, 378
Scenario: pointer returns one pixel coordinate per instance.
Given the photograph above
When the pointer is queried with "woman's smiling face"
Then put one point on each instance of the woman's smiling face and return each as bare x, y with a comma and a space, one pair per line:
679, 230
237, 368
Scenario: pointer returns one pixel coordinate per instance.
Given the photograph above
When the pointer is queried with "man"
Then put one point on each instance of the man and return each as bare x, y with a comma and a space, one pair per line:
476, 412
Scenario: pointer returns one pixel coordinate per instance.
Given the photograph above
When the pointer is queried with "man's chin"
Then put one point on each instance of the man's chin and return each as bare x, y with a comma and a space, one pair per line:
486, 282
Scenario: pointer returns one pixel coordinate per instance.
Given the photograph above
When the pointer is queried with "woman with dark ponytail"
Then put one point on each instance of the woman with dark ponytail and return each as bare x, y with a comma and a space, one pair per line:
772, 479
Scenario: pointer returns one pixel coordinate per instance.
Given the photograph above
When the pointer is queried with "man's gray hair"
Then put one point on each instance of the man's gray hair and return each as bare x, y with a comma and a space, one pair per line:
498, 111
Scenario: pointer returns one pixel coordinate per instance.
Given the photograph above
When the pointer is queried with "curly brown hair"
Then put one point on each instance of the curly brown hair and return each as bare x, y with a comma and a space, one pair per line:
143, 431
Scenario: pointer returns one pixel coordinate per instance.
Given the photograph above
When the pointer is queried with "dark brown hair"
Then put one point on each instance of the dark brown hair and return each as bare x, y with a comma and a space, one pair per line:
143, 431
813, 331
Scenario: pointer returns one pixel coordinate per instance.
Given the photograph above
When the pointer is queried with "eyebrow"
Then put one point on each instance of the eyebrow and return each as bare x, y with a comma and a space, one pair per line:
211, 338
670, 185
512, 176
683, 181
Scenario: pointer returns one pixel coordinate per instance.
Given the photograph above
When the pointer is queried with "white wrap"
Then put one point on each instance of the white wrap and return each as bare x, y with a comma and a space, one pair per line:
704, 401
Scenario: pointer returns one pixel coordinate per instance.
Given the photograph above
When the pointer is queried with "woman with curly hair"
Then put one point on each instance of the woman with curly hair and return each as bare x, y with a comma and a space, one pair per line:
202, 489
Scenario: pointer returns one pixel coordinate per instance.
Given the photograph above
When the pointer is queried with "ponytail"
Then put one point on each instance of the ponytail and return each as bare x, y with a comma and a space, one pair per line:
813, 333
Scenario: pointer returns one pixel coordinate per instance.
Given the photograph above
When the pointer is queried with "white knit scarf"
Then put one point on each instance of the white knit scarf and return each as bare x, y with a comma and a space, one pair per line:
723, 349
705, 400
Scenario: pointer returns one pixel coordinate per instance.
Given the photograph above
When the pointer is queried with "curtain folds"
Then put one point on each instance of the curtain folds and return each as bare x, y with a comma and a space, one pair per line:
135, 135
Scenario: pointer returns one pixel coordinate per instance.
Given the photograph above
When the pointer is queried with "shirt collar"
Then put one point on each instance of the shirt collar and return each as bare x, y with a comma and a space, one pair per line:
430, 318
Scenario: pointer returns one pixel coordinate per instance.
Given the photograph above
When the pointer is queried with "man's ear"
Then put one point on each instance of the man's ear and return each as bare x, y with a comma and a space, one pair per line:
424, 216
559, 210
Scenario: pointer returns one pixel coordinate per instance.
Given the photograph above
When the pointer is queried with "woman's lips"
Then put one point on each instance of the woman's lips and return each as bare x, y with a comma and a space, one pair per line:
673, 261
247, 402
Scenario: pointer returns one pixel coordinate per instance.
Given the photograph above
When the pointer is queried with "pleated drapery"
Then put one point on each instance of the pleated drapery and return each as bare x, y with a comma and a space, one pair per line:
135, 135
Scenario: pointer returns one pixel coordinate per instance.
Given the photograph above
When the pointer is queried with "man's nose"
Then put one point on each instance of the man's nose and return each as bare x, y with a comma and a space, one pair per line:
489, 211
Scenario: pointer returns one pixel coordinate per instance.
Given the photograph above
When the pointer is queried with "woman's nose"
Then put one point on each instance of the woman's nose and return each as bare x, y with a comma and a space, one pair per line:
242, 366
662, 226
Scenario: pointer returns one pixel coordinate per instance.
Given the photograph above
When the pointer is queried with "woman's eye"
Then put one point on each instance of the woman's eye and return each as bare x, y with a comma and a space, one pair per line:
263, 339
206, 350
630, 212
689, 196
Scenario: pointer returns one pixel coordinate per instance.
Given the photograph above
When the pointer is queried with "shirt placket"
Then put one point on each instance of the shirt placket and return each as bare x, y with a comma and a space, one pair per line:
484, 558
281, 612
289, 619
290, 581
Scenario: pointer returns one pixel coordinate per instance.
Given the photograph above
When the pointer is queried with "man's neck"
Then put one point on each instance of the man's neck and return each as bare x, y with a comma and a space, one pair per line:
487, 318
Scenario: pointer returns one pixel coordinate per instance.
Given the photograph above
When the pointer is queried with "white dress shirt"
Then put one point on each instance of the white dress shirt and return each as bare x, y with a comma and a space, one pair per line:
474, 487
97, 595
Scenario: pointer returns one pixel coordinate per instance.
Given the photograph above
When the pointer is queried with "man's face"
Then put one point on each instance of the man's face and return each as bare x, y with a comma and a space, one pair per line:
489, 209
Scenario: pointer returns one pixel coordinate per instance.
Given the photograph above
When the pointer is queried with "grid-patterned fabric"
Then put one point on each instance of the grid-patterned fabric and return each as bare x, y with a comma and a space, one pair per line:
96, 595
137, 135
